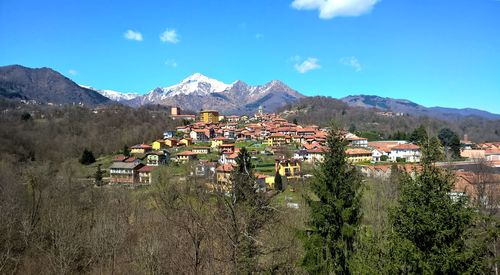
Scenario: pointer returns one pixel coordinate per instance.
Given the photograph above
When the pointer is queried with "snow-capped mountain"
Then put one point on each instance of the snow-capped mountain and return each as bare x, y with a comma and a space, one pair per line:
201, 92
113, 95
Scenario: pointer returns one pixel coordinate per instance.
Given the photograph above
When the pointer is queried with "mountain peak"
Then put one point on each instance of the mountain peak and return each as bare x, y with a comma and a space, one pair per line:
197, 77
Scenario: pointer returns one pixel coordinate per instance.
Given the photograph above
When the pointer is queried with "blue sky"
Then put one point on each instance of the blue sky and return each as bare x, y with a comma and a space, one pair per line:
433, 52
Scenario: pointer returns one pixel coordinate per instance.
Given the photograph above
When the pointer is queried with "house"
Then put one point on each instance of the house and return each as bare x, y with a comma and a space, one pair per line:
355, 155
226, 148
218, 141
492, 154
124, 172
209, 116
186, 156
232, 118
202, 150
315, 155
276, 139
407, 152
378, 155
355, 141
145, 174
158, 144
168, 134
140, 149
185, 142
289, 168
200, 134
171, 142
205, 170
157, 158
223, 173
228, 158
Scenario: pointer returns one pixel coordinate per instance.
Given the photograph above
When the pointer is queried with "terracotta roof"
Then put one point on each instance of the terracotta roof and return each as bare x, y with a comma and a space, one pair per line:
120, 158
141, 146
147, 168
186, 153
408, 146
225, 168
358, 151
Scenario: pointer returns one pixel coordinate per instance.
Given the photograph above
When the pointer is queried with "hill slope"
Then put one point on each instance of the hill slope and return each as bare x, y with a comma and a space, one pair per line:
44, 85
409, 107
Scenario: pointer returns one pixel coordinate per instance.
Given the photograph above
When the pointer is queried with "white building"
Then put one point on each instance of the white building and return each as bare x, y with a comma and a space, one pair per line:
408, 152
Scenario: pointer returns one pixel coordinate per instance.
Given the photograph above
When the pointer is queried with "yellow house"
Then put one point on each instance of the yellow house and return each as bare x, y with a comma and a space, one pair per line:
276, 140
288, 168
140, 149
185, 142
170, 142
158, 144
355, 155
209, 116
218, 141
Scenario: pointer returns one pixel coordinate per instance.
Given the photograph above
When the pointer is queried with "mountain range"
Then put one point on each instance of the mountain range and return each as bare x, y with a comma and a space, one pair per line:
196, 92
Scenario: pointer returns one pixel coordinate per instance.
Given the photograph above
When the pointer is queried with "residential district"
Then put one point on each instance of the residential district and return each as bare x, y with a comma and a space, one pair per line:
209, 145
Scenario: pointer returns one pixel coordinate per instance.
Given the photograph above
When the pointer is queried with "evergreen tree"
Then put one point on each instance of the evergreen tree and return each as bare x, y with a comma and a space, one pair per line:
431, 229
278, 182
98, 175
419, 135
335, 211
126, 151
295, 121
450, 142
87, 157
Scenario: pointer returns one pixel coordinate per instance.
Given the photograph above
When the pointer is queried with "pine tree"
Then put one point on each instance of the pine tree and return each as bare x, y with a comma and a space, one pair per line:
450, 142
87, 157
335, 211
126, 151
430, 228
419, 135
278, 182
98, 175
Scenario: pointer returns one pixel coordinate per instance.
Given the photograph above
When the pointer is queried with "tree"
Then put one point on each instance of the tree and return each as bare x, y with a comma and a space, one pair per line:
335, 211
244, 214
25, 116
431, 229
98, 175
450, 141
295, 121
87, 157
278, 182
419, 135
126, 151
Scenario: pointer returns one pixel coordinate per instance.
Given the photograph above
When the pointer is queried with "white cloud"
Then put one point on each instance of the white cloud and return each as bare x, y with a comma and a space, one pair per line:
72, 72
352, 62
309, 64
170, 36
171, 63
133, 35
332, 8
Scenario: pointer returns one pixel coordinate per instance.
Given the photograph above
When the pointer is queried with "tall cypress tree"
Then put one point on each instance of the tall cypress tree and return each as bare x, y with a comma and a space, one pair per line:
335, 211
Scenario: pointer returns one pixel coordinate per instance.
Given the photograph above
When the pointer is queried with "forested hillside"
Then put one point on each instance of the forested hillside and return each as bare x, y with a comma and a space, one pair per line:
321, 110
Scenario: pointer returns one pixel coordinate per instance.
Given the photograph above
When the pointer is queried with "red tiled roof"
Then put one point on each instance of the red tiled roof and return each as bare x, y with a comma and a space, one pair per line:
187, 153
358, 151
225, 168
147, 168
408, 146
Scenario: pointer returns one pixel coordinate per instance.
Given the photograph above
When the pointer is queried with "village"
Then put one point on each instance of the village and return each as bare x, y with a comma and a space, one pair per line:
209, 144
